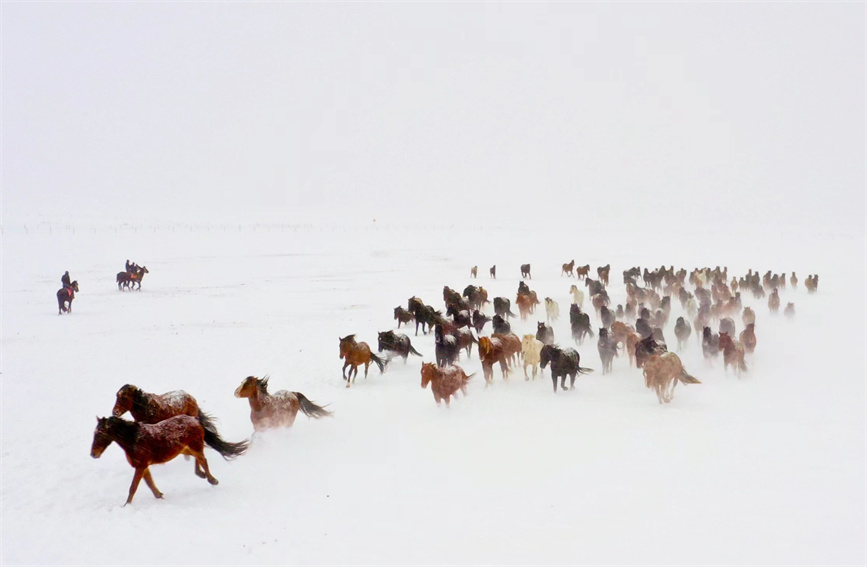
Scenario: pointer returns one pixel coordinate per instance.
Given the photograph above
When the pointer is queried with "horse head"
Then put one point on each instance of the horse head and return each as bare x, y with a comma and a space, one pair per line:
125, 399
428, 373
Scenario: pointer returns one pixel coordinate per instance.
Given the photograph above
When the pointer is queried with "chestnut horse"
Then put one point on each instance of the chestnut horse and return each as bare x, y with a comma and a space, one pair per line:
568, 269
582, 271
65, 295
148, 444
662, 372
154, 408
130, 279
278, 409
444, 382
357, 354
491, 350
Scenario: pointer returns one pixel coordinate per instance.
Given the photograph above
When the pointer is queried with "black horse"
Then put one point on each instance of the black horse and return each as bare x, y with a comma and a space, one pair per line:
503, 307
709, 343
606, 316
564, 362
461, 317
523, 287
545, 333
642, 327
607, 349
645, 348
473, 294
580, 323
479, 320
425, 315
446, 347
65, 295
397, 343
595, 286
682, 331
525, 271
501, 325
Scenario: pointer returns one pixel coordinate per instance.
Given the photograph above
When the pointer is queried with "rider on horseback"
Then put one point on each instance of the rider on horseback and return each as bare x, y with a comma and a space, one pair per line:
65, 280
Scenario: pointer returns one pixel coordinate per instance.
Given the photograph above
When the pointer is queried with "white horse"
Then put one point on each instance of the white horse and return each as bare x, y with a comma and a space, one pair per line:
552, 309
531, 351
577, 296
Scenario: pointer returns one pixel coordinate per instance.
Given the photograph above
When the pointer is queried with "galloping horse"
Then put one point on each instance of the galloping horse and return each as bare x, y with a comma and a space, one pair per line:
154, 408
662, 372
278, 409
525, 271
397, 343
445, 382
357, 354
563, 362
65, 295
530, 349
492, 350
148, 444
568, 269
733, 353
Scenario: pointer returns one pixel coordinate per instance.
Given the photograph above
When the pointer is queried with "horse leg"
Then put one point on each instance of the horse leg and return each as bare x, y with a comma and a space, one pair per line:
366, 368
554, 379
344, 370
151, 485
526, 376
504, 368
658, 389
134, 486
671, 390
198, 470
572, 383
203, 462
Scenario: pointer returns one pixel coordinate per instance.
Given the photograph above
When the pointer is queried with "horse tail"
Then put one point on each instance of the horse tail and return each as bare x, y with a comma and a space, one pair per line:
582, 370
212, 439
510, 313
309, 408
686, 378
380, 362
413, 351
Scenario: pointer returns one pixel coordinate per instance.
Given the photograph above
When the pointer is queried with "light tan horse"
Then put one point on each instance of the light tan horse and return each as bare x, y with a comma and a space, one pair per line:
577, 296
662, 372
278, 409
445, 382
531, 349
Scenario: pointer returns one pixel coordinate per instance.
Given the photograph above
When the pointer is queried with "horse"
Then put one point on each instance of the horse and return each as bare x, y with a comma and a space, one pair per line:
123, 280
147, 444
682, 331
275, 410
733, 353
709, 344
568, 268
789, 312
794, 280
645, 348
552, 309
491, 350
530, 349
479, 321
401, 315
727, 325
632, 340
503, 307
65, 295
446, 347
545, 333
774, 301
493, 272
525, 271
445, 382
577, 295
357, 354
748, 338
424, 315
460, 317
154, 408
396, 343
511, 346
607, 349
606, 316
133, 278
580, 323
564, 362
524, 304
662, 372
501, 325
620, 331
474, 296
603, 273
599, 301
474, 272
749, 316
582, 271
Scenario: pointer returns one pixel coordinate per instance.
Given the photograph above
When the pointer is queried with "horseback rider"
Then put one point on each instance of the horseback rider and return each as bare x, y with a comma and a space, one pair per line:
64, 279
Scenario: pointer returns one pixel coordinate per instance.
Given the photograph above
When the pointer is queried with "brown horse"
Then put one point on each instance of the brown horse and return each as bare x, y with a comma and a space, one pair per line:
148, 444
511, 346
581, 272
474, 272
662, 372
525, 305
131, 278
154, 408
357, 354
568, 269
278, 409
65, 295
493, 271
492, 350
445, 382
733, 353
401, 315
748, 338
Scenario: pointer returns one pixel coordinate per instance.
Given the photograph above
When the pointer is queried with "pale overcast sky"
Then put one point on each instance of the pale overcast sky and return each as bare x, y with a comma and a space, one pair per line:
610, 111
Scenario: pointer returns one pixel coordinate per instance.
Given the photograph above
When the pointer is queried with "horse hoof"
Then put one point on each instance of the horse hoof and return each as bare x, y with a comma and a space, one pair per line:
347, 384
213, 481
200, 474
160, 496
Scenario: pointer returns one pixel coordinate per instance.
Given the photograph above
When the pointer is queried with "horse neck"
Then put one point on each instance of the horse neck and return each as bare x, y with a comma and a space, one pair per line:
257, 400
124, 433
142, 405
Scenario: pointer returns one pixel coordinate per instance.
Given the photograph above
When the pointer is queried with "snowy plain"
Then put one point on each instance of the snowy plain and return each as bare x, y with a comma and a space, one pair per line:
768, 469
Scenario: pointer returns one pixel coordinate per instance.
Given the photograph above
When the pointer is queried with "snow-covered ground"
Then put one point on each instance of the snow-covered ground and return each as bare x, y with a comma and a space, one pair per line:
768, 469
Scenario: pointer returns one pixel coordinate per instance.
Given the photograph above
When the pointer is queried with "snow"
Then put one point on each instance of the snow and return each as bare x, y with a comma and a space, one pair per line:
766, 469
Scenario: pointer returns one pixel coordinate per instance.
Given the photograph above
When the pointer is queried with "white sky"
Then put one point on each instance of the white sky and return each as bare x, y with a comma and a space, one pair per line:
608, 111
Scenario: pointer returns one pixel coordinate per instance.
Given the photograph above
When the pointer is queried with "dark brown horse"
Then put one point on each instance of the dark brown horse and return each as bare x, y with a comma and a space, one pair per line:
129, 279
65, 295
445, 382
148, 444
279, 409
355, 355
154, 408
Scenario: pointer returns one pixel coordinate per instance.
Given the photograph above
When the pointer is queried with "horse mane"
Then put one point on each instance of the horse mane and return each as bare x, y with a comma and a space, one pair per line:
262, 384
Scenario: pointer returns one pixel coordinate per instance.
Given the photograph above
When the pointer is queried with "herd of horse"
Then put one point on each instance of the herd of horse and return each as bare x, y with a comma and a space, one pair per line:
166, 425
